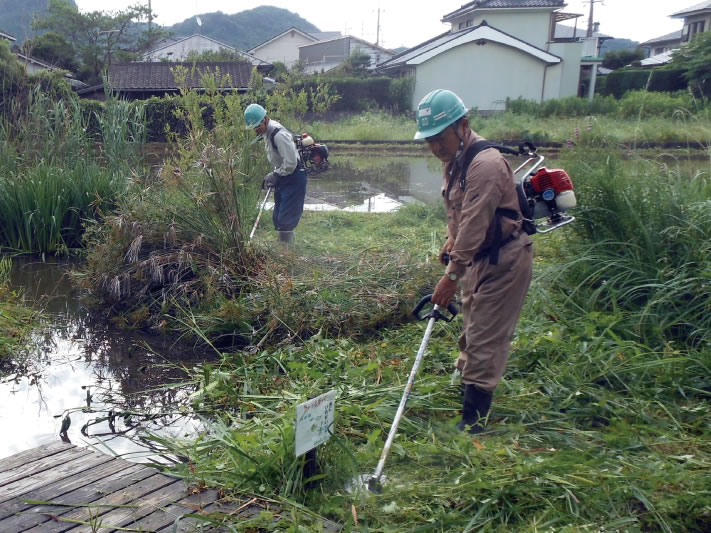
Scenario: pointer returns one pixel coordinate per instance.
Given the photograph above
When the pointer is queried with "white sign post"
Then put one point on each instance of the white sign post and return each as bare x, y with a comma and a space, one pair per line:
314, 422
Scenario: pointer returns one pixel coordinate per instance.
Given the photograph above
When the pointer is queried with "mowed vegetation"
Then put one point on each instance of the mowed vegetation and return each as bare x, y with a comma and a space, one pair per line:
601, 422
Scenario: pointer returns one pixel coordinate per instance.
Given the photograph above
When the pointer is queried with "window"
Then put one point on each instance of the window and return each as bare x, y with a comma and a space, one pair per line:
692, 29
469, 23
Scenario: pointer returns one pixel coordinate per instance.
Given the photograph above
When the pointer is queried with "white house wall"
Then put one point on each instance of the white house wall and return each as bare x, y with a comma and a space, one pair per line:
569, 77
483, 76
179, 51
284, 49
532, 27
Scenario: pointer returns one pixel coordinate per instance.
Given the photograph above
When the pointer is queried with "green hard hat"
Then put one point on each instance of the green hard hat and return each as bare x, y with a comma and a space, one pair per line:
437, 110
253, 115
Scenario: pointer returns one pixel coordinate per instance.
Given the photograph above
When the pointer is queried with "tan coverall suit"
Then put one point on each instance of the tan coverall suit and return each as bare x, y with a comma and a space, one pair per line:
492, 295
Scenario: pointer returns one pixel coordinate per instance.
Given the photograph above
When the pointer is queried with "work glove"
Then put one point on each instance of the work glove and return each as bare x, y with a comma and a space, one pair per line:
270, 180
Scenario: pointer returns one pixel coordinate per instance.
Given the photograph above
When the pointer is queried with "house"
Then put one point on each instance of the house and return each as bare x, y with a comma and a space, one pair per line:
518, 48
141, 80
180, 49
326, 55
284, 47
662, 44
33, 65
697, 19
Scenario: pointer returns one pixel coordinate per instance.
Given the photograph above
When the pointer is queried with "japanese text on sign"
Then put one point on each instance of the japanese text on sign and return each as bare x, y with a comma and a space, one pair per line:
314, 422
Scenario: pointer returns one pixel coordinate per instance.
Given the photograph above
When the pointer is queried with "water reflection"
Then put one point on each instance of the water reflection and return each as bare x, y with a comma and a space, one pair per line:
113, 384
374, 184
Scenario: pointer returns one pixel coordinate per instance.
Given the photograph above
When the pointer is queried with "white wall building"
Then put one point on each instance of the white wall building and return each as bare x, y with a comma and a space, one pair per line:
284, 47
179, 50
499, 49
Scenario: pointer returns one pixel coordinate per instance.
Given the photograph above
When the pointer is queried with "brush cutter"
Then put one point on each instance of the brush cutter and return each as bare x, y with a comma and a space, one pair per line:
374, 484
259, 215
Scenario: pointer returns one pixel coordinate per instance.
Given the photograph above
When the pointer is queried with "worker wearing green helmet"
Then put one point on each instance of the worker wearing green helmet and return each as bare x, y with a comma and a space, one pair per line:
485, 252
288, 179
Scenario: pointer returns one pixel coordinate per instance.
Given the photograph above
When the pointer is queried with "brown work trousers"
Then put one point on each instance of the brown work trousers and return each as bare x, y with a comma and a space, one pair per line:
492, 298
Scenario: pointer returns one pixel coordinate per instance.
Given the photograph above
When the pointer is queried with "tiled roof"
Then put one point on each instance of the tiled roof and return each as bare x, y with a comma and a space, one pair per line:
158, 75
674, 36
503, 4
696, 7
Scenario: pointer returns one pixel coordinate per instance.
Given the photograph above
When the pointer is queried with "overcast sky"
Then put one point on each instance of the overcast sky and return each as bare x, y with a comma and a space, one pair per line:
408, 22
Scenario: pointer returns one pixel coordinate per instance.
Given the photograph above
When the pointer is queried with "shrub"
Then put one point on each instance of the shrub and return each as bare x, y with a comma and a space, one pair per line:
644, 104
666, 79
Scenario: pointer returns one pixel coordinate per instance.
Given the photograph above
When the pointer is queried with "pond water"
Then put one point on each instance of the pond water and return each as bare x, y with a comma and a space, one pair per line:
86, 368
374, 184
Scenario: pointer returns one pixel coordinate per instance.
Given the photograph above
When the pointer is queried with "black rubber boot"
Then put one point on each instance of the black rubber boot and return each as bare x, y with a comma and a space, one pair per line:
475, 406
286, 238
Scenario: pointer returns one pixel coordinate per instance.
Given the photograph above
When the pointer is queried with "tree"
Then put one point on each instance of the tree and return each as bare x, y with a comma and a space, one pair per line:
356, 64
620, 58
695, 58
98, 36
54, 49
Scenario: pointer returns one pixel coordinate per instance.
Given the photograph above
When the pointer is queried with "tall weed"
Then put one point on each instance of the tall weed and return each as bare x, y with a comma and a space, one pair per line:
640, 246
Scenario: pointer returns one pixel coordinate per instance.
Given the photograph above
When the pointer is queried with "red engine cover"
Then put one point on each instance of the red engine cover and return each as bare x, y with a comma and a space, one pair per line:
556, 179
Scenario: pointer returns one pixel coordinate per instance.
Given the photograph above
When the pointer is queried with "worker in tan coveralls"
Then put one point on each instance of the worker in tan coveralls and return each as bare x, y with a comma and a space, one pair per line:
487, 252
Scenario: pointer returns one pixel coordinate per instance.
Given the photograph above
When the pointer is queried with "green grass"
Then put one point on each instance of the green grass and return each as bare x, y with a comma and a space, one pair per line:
16, 320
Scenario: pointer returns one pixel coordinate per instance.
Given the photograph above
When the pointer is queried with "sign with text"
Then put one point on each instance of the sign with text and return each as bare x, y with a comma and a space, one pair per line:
314, 422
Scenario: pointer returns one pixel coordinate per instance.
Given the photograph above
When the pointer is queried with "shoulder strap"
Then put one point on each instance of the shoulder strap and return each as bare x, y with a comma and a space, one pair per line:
471, 152
474, 150
271, 137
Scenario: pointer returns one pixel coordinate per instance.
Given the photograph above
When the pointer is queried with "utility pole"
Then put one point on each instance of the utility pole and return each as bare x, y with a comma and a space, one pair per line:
150, 17
590, 17
377, 31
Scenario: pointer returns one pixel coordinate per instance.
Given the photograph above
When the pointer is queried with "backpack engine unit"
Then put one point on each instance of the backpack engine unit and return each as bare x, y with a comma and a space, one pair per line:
544, 195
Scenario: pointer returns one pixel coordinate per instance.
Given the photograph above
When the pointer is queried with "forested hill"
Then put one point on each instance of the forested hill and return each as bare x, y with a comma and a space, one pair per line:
246, 28
242, 30
16, 16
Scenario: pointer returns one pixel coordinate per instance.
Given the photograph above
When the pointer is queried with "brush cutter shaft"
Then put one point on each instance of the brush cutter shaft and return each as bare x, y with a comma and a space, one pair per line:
261, 208
375, 478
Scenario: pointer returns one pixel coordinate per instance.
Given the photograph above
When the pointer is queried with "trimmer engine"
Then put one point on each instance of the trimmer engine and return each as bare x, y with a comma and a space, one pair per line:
550, 194
314, 155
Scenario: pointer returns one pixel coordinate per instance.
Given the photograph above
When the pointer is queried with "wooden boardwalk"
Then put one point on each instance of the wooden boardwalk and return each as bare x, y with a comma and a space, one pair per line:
118, 494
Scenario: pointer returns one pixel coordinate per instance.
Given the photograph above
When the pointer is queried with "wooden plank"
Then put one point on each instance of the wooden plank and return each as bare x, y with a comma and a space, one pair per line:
34, 454
166, 516
44, 463
46, 476
148, 503
59, 487
127, 496
85, 494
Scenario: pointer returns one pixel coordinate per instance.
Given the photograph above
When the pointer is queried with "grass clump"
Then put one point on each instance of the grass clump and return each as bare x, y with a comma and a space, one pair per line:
16, 320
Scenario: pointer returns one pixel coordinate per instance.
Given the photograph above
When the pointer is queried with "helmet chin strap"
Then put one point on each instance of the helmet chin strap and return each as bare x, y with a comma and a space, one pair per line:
461, 142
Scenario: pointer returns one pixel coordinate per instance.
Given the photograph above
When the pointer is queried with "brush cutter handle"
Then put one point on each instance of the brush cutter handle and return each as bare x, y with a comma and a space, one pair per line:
526, 148
435, 312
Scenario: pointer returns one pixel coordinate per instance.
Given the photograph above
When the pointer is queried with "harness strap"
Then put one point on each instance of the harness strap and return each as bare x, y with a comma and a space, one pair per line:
492, 252
498, 243
299, 161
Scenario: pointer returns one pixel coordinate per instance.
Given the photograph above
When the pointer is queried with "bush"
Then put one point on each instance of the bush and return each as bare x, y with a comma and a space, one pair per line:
664, 79
563, 107
645, 104
360, 94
